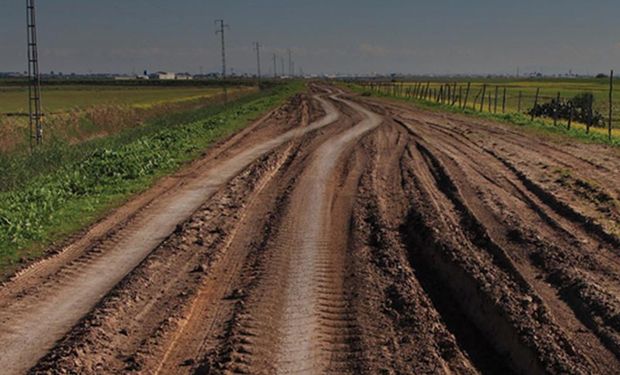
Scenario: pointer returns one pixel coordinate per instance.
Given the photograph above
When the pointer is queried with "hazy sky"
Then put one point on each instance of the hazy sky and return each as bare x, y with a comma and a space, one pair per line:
348, 36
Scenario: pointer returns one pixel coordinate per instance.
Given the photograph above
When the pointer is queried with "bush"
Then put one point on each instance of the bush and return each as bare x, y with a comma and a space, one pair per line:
580, 106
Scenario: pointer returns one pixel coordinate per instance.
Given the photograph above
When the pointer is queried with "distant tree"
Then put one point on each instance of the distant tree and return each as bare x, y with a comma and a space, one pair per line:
601, 75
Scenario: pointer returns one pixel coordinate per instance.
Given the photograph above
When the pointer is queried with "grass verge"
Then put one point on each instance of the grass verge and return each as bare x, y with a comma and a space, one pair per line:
41, 209
539, 125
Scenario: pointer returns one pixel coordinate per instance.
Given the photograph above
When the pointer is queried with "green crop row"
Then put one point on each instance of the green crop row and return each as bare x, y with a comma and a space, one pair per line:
52, 205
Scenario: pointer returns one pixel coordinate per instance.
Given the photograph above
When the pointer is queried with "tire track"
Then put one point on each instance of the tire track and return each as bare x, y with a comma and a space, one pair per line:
58, 305
298, 318
586, 311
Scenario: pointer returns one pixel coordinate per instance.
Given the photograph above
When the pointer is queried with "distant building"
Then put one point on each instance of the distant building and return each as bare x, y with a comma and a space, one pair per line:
184, 77
163, 76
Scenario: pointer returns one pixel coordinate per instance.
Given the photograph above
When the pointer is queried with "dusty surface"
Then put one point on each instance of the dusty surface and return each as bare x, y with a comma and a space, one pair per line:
347, 235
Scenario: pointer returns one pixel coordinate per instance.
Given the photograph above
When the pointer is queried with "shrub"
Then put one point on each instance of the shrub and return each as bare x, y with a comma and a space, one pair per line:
580, 106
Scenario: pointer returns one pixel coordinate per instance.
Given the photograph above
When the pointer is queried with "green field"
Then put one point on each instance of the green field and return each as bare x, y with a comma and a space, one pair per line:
75, 113
520, 94
14, 99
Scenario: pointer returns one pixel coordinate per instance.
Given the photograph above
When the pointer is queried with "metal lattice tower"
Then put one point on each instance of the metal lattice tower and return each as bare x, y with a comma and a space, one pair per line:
220, 31
34, 78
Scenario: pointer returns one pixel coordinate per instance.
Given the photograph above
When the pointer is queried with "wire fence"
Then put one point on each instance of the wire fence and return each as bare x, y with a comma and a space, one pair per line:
569, 104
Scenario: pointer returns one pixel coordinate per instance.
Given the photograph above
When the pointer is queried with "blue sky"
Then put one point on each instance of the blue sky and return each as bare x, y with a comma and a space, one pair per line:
362, 36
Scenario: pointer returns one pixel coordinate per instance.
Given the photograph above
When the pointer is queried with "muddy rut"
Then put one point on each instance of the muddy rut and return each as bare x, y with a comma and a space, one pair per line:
344, 235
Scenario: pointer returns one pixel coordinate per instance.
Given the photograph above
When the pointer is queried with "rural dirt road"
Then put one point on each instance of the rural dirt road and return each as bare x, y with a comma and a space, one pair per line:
341, 234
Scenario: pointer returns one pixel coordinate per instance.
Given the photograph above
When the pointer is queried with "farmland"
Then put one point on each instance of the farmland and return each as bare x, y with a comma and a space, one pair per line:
78, 113
64, 98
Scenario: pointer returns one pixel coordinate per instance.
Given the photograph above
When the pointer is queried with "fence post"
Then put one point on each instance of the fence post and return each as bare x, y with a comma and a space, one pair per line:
519, 102
484, 91
475, 103
495, 104
611, 104
556, 109
590, 104
454, 94
504, 101
535, 102
490, 102
466, 95
571, 114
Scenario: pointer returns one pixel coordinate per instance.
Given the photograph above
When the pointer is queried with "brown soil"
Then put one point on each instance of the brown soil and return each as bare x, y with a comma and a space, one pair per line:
342, 234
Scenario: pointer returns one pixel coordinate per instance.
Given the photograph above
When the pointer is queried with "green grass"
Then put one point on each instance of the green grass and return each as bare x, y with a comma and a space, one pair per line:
89, 179
540, 125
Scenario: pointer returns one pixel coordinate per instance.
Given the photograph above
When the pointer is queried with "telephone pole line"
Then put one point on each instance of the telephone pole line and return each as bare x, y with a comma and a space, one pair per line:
257, 46
34, 78
290, 63
220, 30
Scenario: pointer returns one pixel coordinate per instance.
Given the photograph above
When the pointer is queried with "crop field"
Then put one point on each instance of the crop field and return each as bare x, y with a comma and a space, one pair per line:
57, 99
78, 113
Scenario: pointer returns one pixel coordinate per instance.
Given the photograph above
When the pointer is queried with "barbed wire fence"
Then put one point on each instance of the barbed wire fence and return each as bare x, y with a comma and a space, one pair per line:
589, 106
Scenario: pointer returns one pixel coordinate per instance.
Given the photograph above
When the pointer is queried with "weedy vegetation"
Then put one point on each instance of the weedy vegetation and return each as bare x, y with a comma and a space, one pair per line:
55, 191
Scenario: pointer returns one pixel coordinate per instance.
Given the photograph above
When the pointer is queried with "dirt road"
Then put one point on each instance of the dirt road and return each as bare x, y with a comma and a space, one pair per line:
342, 234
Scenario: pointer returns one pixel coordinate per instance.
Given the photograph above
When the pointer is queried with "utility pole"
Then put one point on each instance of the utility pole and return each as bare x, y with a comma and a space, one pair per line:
275, 67
290, 63
257, 46
34, 78
282, 65
220, 30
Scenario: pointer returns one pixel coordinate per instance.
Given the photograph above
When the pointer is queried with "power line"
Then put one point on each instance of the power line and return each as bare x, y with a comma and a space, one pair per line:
34, 78
220, 30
